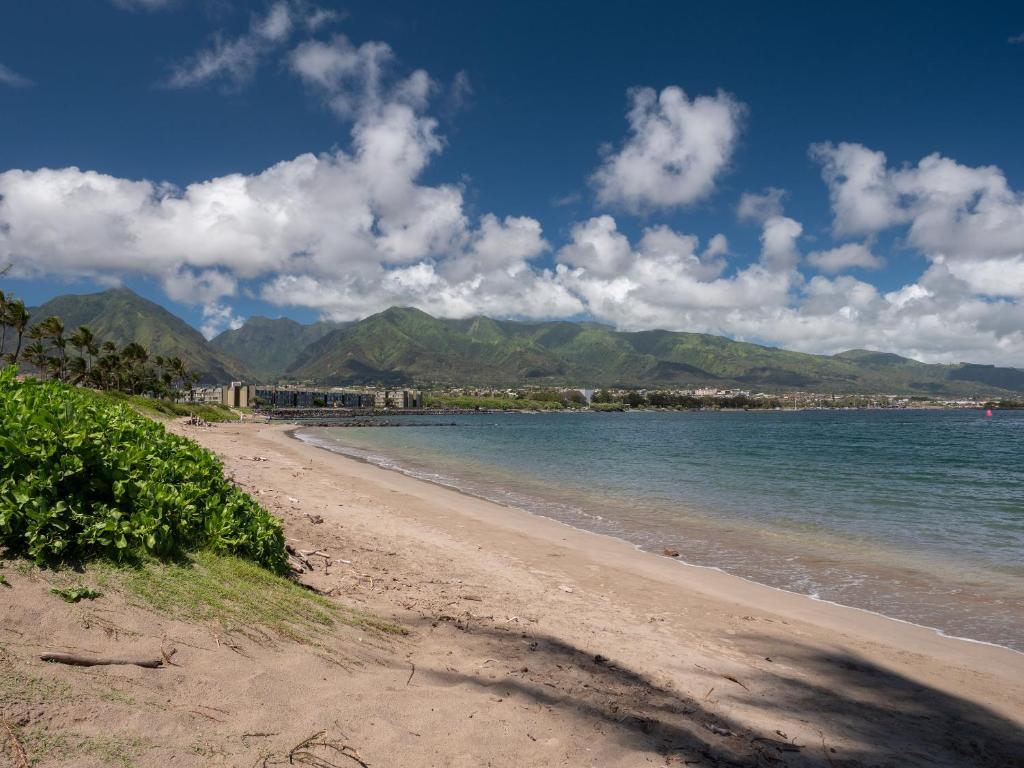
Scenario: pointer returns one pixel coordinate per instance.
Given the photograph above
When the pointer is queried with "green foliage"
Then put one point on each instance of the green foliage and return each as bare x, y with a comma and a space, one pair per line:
81, 477
149, 406
237, 594
492, 403
77, 594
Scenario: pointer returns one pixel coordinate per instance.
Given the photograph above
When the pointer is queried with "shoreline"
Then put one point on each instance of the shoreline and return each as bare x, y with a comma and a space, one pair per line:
708, 580
396, 468
536, 639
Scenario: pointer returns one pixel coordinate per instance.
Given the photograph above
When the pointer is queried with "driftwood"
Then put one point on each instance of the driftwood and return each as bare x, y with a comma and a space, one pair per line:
76, 660
300, 559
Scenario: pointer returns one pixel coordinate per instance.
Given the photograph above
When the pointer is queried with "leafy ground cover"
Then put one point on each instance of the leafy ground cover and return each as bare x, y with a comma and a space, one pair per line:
236, 594
82, 477
149, 406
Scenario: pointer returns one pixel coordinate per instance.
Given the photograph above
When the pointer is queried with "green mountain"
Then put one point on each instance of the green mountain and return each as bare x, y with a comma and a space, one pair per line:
122, 316
406, 346
269, 347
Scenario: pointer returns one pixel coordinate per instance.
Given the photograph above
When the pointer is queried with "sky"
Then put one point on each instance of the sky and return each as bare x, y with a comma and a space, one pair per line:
819, 177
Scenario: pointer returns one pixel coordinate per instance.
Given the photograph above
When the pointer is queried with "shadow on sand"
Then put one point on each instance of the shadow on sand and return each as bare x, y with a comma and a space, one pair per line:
860, 714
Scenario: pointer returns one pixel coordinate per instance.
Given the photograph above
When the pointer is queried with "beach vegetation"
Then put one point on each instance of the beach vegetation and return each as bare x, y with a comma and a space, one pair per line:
165, 409
237, 594
76, 594
488, 403
82, 477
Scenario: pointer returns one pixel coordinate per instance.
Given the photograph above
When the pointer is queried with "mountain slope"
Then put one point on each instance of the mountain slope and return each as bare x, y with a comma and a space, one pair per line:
268, 346
122, 316
404, 346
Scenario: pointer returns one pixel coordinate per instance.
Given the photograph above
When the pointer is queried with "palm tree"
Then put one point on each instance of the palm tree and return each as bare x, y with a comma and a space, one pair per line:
35, 352
85, 341
134, 358
108, 364
5, 319
17, 318
52, 329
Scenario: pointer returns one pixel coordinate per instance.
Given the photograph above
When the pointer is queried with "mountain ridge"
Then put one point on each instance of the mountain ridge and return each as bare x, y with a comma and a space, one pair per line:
122, 316
406, 346
268, 346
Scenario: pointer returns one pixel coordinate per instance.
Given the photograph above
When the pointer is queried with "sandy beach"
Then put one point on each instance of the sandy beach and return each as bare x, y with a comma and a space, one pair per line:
531, 644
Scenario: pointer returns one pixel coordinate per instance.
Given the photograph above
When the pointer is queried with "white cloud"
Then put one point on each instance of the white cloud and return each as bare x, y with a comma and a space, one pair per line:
676, 149
758, 207
778, 242
967, 218
353, 80
347, 232
353, 231
9, 77
218, 318
665, 281
845, 257
235, 60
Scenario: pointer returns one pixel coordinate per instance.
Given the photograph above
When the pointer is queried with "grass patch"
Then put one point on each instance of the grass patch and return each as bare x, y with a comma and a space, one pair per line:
69, 747
152, 407
238, 594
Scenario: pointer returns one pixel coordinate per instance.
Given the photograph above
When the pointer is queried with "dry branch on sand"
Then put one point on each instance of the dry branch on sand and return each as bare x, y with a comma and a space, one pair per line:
304, 753
77, 660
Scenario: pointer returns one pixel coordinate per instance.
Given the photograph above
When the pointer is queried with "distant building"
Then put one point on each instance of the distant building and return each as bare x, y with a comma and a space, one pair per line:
239, 395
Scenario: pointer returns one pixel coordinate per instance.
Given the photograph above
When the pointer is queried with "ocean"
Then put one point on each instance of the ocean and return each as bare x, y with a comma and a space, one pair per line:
914, 514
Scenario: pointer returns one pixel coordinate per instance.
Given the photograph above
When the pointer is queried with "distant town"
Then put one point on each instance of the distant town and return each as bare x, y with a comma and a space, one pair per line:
296, 400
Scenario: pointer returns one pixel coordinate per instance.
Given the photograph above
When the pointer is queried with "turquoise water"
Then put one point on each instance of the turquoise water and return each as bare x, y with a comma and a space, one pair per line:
918, 515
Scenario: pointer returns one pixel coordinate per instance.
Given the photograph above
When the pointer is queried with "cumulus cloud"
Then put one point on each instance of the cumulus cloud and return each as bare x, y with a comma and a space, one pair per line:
760, 206
665, 280
967, 218
218, 318
11, 78
348, 232
675, 151
355, 230
235, 60
845, 257
353, 80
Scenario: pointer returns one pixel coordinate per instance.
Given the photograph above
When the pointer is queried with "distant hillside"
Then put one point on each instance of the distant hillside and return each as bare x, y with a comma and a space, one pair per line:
122, 316
407, 346
269, 347
403, 345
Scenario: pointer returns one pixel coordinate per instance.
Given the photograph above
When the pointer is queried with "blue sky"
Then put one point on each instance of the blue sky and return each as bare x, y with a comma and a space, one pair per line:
521, 112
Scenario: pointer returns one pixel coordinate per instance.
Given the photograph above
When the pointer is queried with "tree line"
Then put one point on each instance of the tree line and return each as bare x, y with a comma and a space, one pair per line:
80, 358
680, 400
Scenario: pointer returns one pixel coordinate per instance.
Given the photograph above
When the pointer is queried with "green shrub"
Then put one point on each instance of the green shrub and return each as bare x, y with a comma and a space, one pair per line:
492, 403
82, 477
150, 406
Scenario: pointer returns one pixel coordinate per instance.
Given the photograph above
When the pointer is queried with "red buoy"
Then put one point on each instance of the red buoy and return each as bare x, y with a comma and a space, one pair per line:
988, 411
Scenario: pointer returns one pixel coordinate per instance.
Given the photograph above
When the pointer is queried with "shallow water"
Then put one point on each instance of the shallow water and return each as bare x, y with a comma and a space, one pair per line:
918, 515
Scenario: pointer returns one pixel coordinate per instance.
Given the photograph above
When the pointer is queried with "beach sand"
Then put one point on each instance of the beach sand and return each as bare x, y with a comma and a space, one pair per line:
530, 644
